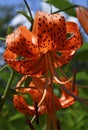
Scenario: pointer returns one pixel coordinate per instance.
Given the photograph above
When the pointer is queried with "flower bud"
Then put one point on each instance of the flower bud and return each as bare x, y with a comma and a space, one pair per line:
82, 15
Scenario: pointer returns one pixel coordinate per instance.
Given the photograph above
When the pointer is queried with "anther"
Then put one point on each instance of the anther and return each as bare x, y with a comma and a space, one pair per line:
30, 124
36, 112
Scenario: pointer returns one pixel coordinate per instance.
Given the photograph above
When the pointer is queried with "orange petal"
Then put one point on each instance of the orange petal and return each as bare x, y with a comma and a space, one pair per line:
25, 66
59, 31
42, 31
75, 41
66, 100
71, 45
9, 54
63, 58
49, 31
50, 103
20, 42
35, 92
21, 105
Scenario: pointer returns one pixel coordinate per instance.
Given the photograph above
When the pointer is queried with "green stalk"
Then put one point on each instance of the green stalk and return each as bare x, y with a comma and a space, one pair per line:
2, 39
2, 68
5, 93
28, 8
64, 9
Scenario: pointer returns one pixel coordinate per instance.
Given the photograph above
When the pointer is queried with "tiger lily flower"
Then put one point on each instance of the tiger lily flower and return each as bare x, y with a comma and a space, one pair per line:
47, 41
40, 51
49, 105
82, 15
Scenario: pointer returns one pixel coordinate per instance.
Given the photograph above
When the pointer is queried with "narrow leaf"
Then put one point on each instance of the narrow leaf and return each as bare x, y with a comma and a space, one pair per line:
25, 15
2, 39
9, 30
62, 4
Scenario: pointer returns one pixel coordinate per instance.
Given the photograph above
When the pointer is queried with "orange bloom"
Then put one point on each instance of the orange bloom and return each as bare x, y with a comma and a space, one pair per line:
39, 52
82, 15
47, 39
49, 105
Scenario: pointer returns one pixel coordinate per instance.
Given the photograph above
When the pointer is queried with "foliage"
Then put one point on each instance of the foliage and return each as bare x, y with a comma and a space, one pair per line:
59, 4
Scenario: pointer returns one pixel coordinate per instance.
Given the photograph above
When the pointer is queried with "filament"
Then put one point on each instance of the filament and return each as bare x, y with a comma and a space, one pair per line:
85, 101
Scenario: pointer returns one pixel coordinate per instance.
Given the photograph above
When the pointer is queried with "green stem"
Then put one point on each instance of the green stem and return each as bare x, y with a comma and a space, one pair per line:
3, 98
2, 39
28, 8
64, 9
2, 68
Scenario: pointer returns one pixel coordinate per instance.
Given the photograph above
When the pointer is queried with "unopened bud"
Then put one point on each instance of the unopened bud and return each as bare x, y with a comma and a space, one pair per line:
82, 15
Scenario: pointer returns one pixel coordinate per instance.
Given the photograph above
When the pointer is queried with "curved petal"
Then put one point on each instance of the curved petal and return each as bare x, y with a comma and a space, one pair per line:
31, 66
62, 58
66, 100
75, 41
72, 44
20, 42
49, 31
50, 103
42, 31
59, 31
21, 105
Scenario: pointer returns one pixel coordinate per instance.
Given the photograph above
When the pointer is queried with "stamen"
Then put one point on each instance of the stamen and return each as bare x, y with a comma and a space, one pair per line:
21, 81
36, 112
63, 82
76, 84
42, 99
51, 69
51, 66
81, 86
74, 79
58, 125
30, 124
46, 82
43, 96
45, 87
85, 101
54, 73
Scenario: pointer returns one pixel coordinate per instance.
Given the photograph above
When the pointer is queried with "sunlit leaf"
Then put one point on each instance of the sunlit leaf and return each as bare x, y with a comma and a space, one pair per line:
27, 16
61, 4
2, 39
9, 30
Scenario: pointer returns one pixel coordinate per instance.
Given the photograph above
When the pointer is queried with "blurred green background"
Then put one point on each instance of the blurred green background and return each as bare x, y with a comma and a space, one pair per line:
74, 117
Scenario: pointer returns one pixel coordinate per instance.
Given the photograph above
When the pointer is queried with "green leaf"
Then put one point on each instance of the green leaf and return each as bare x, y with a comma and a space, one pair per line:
9, 30
61, 4
27, 16
27, 81
84, 46
2, 39
4, 67
82, 75
82, 54
15, 117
